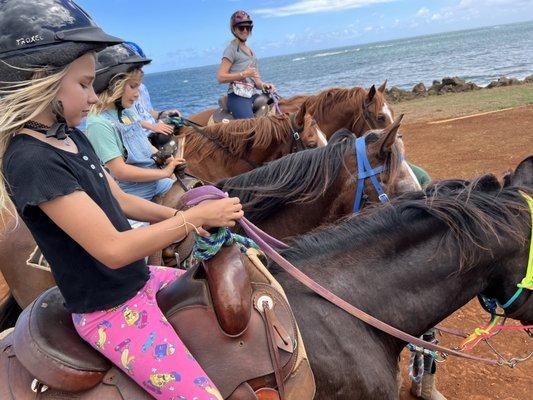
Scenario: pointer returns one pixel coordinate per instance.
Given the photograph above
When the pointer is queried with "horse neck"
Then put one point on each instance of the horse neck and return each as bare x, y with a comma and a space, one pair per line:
293, 219
348, 119
409, 281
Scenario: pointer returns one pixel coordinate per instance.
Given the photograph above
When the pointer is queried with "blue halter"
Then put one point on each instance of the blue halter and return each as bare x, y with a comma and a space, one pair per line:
364, 171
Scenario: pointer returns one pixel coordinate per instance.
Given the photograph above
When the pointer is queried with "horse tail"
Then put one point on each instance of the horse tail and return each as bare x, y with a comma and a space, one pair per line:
9, 312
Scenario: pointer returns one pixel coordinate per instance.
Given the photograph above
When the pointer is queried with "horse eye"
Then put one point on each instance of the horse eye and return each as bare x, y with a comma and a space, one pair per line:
381, 118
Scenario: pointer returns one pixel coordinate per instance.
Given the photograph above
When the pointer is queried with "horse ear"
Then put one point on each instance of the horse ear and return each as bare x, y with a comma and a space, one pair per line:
371, 94
523, 174
382, 87
299, 118
389, 135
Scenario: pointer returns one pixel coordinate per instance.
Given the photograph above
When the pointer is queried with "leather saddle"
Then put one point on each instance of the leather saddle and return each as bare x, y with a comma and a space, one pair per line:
262, 106
218, 312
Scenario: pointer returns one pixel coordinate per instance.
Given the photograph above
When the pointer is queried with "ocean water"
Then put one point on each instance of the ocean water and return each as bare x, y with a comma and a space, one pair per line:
478, 55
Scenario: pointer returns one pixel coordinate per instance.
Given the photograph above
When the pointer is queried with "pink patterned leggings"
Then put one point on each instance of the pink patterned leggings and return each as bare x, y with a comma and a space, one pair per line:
137, 338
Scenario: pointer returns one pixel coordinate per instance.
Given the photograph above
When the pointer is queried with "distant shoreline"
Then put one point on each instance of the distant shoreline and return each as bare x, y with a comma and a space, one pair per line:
339, 48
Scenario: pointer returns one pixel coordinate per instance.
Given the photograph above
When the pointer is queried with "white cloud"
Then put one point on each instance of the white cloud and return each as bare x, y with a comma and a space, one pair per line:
423, 12
468, 9
316, 6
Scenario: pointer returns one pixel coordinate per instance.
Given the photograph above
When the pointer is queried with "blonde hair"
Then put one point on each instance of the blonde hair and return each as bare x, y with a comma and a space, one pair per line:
115, 90
20, 102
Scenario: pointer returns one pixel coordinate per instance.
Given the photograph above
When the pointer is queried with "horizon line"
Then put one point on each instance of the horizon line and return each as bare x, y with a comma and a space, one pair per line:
350, 45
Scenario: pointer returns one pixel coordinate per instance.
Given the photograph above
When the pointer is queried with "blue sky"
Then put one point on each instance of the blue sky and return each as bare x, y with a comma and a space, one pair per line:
187, 33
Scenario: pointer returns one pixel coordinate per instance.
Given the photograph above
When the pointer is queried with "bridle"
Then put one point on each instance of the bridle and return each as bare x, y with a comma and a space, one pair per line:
365, 171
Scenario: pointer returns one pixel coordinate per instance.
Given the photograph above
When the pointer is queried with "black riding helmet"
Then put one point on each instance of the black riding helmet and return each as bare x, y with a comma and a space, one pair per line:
45, 33
115, 60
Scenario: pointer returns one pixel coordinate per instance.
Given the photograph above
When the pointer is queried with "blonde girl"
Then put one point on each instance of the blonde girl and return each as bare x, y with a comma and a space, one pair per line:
75, 211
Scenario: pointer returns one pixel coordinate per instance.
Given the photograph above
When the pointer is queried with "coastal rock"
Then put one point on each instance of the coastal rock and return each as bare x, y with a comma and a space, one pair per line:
528, 79
394, 94
503, 81
455, 81
420, 90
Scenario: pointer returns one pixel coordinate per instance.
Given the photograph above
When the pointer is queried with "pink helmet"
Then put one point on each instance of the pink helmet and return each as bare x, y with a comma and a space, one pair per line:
240, 18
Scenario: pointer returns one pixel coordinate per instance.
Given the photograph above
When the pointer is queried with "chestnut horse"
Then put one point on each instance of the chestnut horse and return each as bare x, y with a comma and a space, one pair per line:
299, 192
332, 109
228, 149
355, 109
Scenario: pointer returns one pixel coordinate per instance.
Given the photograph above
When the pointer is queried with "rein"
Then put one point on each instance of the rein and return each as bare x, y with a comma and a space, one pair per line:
266, 243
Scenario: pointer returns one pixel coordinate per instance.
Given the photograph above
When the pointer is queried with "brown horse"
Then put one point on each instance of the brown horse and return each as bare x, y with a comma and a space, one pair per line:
228, 149
355, 109
302, 191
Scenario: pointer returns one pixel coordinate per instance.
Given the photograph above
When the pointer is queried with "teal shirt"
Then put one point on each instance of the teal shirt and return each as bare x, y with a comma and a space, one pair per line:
105, 138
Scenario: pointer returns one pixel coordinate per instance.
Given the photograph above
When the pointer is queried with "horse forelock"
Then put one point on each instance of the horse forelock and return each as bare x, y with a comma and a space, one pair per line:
239, 136
466, 218
392, 162
295, 178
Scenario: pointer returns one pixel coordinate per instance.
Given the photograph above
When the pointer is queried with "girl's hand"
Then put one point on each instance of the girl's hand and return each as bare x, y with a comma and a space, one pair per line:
171, 164
218, 213
163, 128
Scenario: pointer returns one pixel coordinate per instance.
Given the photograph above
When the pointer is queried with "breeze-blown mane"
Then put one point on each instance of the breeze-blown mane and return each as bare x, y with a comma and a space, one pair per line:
237, 137
321, 105
298, 177
466, 214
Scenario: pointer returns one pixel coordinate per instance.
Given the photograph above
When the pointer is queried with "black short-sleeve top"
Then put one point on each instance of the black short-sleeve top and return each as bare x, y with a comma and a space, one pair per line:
36, 172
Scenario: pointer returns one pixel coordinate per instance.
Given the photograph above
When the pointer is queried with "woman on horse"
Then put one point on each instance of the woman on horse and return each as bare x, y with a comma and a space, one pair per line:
115, 130
239, 68
75, 211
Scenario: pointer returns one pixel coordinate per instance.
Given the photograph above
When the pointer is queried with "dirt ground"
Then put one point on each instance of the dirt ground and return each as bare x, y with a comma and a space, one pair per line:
465, 148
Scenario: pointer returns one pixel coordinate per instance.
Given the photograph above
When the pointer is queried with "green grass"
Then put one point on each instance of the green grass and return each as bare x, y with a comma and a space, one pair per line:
458, 104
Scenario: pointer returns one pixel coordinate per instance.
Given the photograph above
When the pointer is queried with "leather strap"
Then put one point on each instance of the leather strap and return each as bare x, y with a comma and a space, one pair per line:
273, 349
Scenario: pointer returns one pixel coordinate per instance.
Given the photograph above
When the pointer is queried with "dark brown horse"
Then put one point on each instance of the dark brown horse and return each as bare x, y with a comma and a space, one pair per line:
302, 191
228, 149
411, 265
425, 256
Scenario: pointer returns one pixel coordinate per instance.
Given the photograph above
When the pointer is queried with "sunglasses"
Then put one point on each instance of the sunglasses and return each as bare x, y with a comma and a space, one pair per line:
243, 28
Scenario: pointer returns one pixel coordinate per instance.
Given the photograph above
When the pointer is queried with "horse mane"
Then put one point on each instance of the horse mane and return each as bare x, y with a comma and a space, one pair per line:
465, 214
321, 105
238, 137
298, 177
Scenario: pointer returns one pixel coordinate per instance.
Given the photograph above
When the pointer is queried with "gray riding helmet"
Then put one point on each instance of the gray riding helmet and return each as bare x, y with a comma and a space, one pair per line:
43, 33
113, 61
